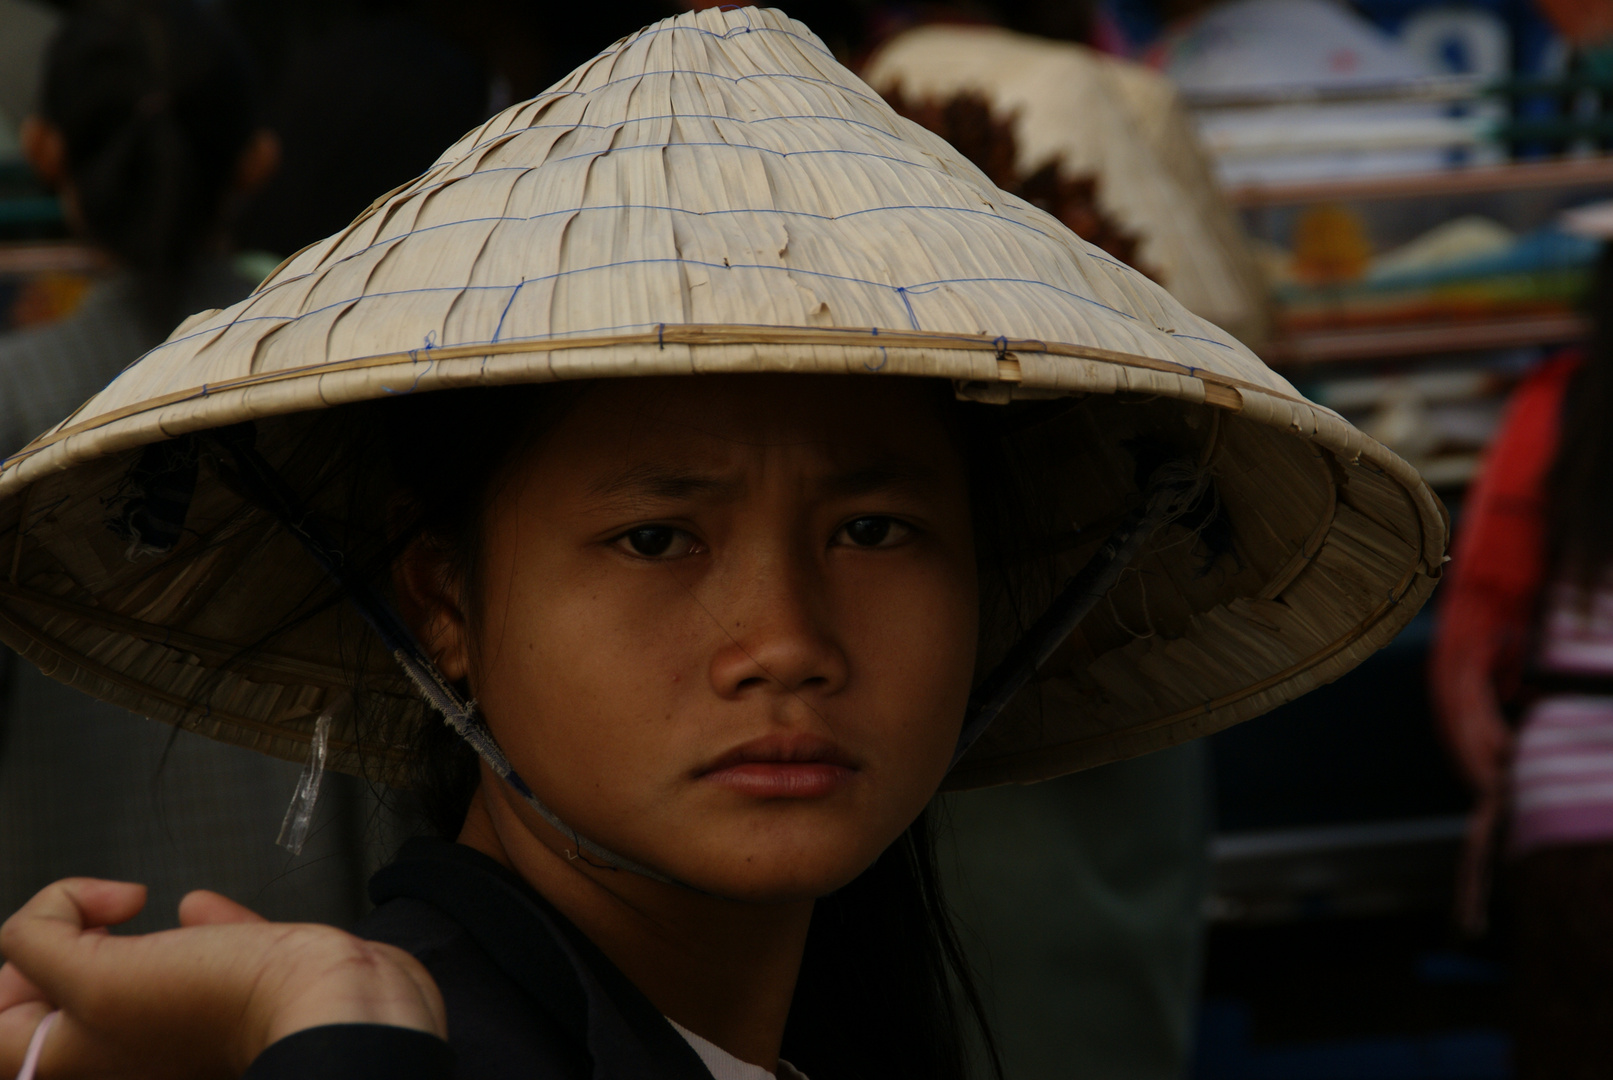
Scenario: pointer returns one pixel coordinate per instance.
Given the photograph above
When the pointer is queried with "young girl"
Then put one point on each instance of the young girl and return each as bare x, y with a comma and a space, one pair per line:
1526, 628
719, 455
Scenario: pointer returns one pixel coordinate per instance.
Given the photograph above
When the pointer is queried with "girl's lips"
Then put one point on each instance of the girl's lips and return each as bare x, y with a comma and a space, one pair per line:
783, 767
781, 780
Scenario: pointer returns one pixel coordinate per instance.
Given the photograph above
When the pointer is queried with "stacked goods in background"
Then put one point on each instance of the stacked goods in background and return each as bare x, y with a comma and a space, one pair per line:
1402, 171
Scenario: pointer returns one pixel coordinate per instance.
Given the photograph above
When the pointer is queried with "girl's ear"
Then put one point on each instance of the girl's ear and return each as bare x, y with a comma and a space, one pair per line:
430, 601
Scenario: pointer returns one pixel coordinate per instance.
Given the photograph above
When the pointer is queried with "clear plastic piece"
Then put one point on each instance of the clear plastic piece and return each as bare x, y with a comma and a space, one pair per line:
300, 814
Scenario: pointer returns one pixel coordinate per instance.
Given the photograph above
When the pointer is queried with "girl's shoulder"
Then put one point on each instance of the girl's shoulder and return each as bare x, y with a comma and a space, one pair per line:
527, 994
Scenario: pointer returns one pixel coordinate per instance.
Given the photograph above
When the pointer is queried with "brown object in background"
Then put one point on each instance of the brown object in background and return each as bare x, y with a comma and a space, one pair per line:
1564, 1007
1582, 22
48, 298
42, 283
1330, 246
967, 123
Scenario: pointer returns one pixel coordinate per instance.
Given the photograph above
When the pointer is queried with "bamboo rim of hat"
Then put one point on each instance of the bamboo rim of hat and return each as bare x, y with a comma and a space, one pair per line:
1223, 391
1010, 369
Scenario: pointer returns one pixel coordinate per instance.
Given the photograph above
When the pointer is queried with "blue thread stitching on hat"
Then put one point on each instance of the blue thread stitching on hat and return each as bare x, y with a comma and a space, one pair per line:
558, 94
385, 241
828, 150
498, 218
313, 368
416, 384
616, 125
1029, 344
499, 329
716, 75
904, 291
914, 319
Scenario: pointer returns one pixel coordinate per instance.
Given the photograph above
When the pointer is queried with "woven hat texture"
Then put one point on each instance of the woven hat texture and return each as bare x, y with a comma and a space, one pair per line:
717, 194
1096, 116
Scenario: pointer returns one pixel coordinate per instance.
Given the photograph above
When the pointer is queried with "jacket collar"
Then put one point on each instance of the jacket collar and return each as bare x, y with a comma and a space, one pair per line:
563, 972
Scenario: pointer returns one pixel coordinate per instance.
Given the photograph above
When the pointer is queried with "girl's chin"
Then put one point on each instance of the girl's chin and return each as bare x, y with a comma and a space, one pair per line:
745, 887
788, 873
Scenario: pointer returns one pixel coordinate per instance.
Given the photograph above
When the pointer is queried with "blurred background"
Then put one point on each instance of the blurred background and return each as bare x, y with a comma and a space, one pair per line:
1372, 194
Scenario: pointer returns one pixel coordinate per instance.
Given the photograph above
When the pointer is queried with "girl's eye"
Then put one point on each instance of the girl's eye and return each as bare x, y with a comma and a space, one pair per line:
658, 542
874, 532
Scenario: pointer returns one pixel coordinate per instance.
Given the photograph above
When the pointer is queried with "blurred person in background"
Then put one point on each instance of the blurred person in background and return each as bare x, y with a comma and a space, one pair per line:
365, 95
346, 97
147, 129
1522, 672
25, 28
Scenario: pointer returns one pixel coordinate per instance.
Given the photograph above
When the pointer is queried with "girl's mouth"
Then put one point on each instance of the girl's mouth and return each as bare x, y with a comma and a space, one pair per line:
783, 767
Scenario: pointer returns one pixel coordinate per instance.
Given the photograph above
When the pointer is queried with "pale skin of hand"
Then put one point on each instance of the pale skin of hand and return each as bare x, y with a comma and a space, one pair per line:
200, 1001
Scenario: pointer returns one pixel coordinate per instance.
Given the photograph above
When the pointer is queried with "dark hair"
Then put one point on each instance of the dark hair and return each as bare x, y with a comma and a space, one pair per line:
1579, 514
155, 102
884, 990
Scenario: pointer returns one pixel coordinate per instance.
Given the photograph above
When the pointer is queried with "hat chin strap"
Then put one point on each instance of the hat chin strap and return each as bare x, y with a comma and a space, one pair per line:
1174, 488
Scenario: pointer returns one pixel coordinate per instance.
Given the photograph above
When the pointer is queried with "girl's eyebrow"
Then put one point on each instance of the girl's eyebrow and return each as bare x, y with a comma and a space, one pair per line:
893, 471
660, 482
649, 481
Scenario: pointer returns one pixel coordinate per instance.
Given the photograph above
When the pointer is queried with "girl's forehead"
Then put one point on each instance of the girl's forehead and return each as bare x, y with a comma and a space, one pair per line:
732, 418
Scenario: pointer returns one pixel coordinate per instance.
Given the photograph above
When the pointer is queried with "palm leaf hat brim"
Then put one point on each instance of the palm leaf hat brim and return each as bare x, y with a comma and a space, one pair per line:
715, 193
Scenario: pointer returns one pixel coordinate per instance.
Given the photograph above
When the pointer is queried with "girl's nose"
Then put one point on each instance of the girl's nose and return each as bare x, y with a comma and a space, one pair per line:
780, 636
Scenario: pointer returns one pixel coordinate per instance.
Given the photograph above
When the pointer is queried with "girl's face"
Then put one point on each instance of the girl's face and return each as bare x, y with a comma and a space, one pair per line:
725, 626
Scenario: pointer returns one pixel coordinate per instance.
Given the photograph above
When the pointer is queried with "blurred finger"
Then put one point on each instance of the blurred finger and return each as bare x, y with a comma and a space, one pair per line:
204, 907
15, 989
88, 903
17, 1027
45, 939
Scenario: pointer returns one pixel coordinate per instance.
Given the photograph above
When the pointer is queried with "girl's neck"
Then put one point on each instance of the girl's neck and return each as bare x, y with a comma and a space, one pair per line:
724, 969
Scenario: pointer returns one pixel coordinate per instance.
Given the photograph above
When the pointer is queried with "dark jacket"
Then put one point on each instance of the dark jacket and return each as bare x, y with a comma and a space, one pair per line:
528, 995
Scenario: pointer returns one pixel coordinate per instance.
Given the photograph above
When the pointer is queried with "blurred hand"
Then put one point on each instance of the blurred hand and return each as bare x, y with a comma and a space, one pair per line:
1481, 743
200, 1001
1462, 680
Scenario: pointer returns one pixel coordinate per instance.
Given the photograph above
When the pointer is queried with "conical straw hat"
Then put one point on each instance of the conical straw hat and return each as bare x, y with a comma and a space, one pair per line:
1119, 122
717, 194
